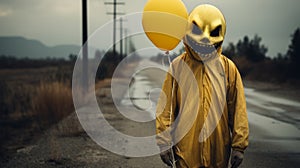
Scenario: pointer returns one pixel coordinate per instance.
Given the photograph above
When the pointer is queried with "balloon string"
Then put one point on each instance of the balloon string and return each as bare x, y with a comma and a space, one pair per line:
169, 59
163, 62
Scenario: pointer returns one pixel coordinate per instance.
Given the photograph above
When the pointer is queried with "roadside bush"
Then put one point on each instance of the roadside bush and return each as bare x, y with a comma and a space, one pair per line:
52, 102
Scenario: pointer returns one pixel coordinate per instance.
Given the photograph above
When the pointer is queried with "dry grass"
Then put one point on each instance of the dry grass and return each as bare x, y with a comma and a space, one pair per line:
29, 107
102, 83
52, 102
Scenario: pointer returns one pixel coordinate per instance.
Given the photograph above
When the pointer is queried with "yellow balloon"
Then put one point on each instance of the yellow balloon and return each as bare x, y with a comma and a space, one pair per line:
165, 22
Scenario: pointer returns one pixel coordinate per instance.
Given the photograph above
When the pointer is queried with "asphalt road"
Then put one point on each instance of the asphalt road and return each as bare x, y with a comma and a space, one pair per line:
274, 130
274, 122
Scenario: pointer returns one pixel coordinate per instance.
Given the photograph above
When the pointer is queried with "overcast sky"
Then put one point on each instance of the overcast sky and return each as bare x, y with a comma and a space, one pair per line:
56, 22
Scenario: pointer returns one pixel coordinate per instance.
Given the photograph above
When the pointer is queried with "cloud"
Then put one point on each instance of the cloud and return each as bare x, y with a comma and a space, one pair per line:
5, 12
64, 8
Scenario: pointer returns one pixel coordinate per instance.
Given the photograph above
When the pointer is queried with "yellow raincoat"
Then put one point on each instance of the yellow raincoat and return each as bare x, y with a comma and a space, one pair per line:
176, 113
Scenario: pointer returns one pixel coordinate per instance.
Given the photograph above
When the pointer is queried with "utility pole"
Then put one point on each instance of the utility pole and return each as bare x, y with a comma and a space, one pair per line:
126, 41
114, 13
121, 37
85, 46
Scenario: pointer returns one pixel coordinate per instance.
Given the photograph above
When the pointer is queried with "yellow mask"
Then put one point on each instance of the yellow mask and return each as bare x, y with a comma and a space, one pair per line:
206, 30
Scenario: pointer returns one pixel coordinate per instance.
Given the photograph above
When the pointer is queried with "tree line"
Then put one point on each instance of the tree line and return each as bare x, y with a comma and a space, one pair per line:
12, 62
250, 57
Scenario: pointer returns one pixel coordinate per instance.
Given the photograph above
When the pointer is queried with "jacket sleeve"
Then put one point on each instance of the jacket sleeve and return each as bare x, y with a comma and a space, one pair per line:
238, 120
166, 106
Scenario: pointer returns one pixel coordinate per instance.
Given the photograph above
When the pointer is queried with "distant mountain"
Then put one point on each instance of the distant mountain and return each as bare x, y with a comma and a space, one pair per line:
21, 47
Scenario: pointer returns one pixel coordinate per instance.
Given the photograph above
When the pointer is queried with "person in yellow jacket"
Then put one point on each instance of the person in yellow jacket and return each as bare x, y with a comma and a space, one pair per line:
201, 115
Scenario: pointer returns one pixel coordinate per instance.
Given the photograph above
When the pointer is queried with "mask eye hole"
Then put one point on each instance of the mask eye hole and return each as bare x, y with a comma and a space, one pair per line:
196, 30
215, 32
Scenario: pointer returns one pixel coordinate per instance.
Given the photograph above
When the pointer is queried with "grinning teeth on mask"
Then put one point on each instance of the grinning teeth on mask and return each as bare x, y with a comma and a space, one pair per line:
203, 50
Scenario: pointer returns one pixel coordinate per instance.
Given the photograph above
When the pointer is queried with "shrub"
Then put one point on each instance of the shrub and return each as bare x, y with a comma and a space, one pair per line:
52, 102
